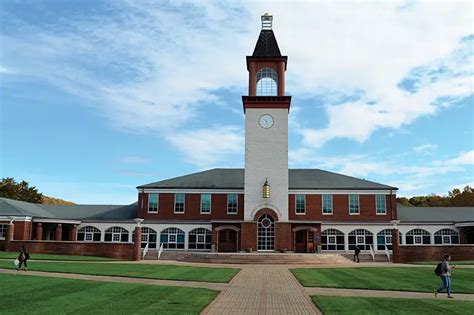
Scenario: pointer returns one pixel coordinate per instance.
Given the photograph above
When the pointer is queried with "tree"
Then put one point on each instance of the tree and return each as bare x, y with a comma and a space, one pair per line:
22, 191
455, 198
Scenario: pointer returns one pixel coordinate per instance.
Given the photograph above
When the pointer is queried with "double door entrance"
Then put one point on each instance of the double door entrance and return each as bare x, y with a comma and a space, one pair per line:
304, 241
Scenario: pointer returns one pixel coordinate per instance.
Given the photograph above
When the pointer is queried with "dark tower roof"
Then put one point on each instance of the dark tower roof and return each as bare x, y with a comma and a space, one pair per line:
267, 45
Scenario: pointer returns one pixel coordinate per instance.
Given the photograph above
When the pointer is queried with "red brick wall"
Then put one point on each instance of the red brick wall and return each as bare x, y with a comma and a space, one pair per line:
111, 250
192, 208
248, 235
22, 230
3, 244
283, 236
314, 209
408, 253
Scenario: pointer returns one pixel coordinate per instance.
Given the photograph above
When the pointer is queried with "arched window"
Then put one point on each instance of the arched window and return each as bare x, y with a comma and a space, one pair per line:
172, 238
149, 237
446, 236
332, 239
3, 231
418, 237
267, 81
88, 234
384, 238
266, 233
200, 238
361, 238
116, 234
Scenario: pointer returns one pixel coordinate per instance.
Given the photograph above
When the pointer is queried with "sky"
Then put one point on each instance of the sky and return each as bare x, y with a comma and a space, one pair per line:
102, 96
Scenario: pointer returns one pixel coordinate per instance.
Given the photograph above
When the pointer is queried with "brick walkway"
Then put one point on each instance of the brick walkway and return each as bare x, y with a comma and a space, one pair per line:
263, 290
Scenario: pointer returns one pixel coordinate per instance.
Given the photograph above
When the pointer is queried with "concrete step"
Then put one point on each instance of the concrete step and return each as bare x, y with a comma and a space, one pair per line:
250, 258
368, 258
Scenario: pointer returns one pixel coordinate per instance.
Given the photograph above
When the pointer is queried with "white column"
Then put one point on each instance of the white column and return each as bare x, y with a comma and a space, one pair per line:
346, 242
186, 240
374, 242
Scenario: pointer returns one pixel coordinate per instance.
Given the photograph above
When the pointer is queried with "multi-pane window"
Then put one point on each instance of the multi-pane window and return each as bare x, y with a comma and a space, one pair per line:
116, 234
3, 231
380, 204
267, 80
149, 237
200, 238
418, 237
153, 203
300, 204
354, 207
327, 204
205, 203
361, 238
232, 203
88, 234
446, 236
172, 238
332, 239
384, 238
178, 203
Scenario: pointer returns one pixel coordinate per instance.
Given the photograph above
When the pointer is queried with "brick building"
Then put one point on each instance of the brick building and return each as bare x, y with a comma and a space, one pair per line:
264, 207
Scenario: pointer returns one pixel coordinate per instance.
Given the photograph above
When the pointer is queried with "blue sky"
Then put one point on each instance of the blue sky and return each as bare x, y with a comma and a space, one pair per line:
102, 96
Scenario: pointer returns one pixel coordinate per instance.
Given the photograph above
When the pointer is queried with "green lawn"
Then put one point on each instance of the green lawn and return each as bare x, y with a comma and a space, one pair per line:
377, 305
13, 255
149, 271
23, 294
434, 263
419, 279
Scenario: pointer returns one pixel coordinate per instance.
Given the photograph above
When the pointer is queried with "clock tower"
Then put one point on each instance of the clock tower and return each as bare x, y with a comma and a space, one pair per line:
266, 132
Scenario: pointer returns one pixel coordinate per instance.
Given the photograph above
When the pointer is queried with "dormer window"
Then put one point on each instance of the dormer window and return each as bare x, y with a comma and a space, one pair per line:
267, 82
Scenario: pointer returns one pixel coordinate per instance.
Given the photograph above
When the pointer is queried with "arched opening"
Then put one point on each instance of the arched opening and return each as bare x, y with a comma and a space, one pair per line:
266, 233
116, 234
172, 238
88, 234
200, 239
149, 237
418, 237
332, 239
304, 239
361, 238
446, 236
267, 82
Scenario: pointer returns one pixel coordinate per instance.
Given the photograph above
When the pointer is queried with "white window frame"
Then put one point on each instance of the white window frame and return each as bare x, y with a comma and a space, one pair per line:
202, 241
358, 204
236, 204
332, 204
157, 202
119, 237
417, 239
210, 204
5, 228
184, 203
175, 238
385, 204
88, 234
331, 240
388, 240
360, 237
448, 237
296, 204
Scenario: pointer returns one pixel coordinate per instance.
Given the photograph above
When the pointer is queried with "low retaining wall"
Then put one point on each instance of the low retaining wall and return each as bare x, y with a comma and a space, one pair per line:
408, 253
3, 244
111, 250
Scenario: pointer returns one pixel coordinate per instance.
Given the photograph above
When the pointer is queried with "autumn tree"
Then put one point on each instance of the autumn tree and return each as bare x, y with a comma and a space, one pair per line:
22, 191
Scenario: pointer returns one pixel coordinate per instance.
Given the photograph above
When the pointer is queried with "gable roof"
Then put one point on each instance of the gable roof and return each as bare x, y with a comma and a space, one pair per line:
435, 214
233, 178
10, 207
267, 45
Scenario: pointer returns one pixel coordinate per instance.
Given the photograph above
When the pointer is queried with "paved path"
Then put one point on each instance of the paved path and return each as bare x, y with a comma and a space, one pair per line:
263, 290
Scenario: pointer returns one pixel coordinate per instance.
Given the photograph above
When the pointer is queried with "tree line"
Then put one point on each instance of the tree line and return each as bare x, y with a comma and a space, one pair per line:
22, 191
455, 198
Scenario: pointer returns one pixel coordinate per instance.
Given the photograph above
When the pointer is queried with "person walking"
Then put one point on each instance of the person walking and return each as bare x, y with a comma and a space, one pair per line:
23, 258
356, 254
444, 271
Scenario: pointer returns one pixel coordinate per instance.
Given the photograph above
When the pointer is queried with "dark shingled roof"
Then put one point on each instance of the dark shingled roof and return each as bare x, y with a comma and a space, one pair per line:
9, 207
228, 178
267, 45
435, 214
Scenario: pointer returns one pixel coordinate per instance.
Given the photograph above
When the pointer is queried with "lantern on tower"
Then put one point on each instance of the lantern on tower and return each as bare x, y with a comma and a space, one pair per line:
266, 190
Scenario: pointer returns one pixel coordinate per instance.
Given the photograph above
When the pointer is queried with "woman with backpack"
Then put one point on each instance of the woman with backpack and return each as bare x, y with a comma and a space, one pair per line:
443, 270
23, 258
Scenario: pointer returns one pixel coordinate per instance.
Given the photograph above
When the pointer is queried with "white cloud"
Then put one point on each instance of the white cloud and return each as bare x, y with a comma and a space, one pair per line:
425, 148
466, 158
210, 146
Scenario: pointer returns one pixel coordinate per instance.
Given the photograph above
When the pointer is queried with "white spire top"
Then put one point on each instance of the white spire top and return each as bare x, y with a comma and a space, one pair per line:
267, 20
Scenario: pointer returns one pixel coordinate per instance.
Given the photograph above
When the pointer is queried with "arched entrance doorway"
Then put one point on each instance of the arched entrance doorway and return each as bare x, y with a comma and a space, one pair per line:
304, 238
266, 233
227, 238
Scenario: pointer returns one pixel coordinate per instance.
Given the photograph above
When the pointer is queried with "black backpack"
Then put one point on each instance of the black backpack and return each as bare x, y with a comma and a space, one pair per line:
437, 270
27, 255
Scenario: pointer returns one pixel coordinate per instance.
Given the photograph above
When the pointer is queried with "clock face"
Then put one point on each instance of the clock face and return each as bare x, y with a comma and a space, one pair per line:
266, 121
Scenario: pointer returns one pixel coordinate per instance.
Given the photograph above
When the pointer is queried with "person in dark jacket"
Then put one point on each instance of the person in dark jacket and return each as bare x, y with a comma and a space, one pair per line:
356, 254
23, 258
445, 276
